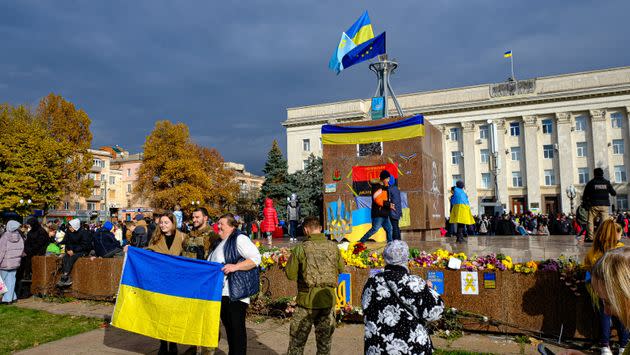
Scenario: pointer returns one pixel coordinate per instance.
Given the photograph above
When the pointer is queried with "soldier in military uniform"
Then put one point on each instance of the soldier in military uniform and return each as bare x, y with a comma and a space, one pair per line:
315, 264
201, 236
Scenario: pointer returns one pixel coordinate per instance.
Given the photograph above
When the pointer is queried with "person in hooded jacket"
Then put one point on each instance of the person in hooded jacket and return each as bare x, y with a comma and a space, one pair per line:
11, 248
105, 243
294, 210
270, 221
37, 241
78, 242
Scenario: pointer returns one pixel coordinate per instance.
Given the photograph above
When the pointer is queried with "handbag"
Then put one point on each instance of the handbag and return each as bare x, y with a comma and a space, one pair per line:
3, 287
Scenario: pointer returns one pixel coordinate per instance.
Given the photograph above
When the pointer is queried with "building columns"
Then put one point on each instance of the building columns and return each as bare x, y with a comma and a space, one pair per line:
470, 165
446, 171
502, 175
533, 172
566, 147
599, 131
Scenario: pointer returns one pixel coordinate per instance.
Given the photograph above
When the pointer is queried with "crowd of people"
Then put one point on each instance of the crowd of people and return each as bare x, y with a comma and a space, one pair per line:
396, 305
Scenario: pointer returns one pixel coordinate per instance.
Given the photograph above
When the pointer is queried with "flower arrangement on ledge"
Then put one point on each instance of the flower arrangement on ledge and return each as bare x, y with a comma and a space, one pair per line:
357, 255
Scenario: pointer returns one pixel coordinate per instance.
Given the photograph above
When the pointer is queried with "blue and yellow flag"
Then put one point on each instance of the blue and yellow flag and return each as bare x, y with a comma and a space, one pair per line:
507, 54
360, 32
408, 128
170, 298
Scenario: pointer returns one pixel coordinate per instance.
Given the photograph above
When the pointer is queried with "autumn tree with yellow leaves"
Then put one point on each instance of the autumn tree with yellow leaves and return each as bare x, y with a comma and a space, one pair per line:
43, 154
176, 171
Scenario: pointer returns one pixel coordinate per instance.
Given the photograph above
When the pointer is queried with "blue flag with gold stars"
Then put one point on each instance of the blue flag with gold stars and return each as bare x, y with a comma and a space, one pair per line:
365, 51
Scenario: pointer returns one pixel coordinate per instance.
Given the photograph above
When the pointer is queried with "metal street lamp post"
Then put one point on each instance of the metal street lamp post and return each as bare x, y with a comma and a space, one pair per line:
571, 193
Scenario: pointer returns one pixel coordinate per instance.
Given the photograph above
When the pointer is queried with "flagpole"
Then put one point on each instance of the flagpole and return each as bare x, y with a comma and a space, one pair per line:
512, 65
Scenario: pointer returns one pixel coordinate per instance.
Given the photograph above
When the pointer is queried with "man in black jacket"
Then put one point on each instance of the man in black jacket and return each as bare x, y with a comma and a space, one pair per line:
381, 206
597, 198
78, 242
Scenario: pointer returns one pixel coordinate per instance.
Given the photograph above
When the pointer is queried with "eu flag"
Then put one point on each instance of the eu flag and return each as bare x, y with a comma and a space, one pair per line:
365, 51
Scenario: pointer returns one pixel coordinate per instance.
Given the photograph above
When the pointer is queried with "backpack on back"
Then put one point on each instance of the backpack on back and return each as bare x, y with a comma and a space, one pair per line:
321, 264
581, 215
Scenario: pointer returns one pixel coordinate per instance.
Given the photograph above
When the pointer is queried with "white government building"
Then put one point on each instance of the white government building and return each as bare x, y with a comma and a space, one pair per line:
522, 142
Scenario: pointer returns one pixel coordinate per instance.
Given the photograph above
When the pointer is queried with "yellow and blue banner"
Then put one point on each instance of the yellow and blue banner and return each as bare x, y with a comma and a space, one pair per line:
170, 298
507, 54
360, 32
408, 128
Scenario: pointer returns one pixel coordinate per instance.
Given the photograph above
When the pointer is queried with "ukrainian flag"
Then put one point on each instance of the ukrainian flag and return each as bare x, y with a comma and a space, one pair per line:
507, 54
360, 32
170, 298
408, 128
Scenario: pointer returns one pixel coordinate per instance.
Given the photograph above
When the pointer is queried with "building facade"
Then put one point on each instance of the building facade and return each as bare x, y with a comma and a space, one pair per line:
518, 145
248, 183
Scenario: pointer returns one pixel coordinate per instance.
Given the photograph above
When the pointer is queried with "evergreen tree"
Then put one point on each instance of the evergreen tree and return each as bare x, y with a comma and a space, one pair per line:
276, 185
308, 185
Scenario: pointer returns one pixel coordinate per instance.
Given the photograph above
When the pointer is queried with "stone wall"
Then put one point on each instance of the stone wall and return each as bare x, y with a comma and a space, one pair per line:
539, 302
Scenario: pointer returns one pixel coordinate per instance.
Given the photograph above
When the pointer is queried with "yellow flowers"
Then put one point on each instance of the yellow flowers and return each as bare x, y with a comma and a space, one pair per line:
529, 267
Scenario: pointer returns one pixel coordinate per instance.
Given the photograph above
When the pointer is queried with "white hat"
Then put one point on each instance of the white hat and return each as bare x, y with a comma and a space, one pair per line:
75, 224
12, 226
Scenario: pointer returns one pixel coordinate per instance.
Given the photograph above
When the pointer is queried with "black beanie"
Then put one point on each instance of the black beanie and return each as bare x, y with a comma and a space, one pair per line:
384, 175
599, 172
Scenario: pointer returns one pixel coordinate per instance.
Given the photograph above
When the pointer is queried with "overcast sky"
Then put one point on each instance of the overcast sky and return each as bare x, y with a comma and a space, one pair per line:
229, 69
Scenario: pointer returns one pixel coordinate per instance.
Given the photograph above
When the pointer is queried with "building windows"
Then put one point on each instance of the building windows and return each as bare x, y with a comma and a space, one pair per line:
622, 202
321, 145
583, 177
620, 173
516, 153
456, 178
454, 134
66, 205
483, 132
112, 180
91, 206
306, 145
581, 149
547, 126
128, 187
617, 145
616, 120
517, 179
548, 151
77, 206
550, 178
304, 164
484, 156
515, 129
128, 172
455, 157
485, 180
98, 162
580, 123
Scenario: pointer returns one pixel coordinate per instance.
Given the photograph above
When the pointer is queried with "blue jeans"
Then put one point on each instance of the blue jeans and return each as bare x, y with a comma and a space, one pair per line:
604, 327
8, 276
395, 228
377, 223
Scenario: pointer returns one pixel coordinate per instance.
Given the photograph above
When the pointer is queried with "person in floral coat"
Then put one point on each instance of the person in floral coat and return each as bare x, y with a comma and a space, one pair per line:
390, 326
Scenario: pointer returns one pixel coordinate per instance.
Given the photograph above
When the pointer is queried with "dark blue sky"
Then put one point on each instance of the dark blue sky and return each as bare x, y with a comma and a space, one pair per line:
230, 69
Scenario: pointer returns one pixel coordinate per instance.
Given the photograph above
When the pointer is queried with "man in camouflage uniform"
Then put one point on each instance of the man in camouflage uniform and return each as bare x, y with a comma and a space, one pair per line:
201, 236
315, 264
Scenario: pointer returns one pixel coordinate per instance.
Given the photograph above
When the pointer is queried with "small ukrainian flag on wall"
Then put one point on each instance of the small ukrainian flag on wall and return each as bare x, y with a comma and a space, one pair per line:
170, 298
507, 54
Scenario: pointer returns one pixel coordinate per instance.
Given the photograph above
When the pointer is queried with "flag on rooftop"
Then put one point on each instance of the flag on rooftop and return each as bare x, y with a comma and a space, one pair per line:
360, 32
507, 54
170, 298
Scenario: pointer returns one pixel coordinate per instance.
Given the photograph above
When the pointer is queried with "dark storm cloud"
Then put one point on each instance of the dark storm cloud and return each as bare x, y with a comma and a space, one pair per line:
230, 69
